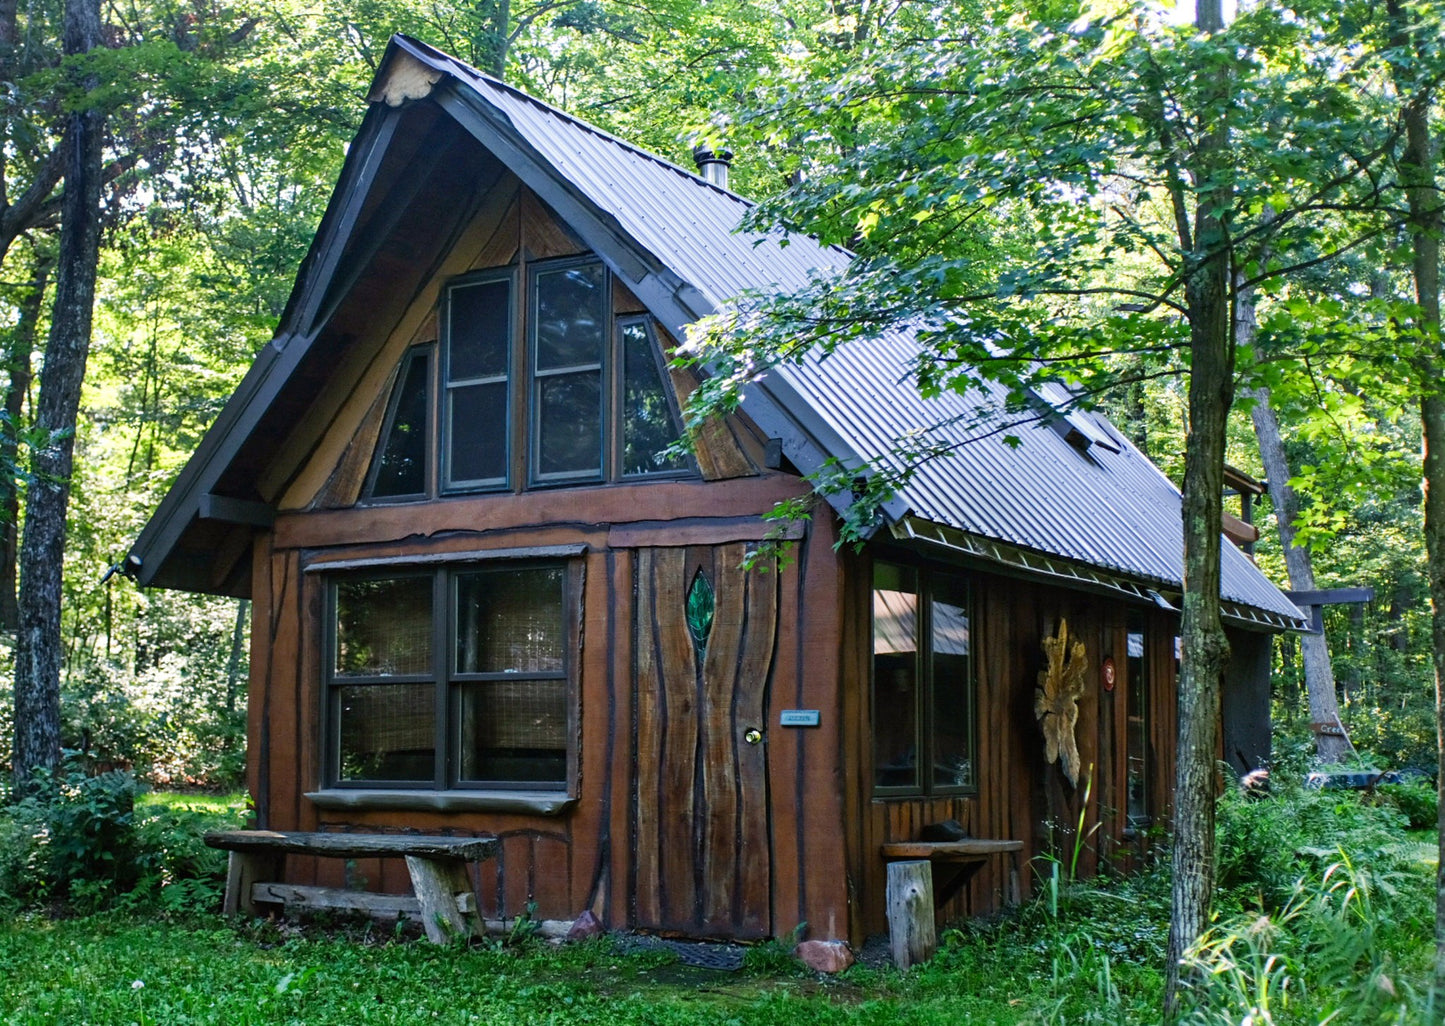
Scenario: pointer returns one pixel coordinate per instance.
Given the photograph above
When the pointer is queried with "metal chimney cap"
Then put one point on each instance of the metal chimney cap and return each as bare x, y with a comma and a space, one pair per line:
703, 155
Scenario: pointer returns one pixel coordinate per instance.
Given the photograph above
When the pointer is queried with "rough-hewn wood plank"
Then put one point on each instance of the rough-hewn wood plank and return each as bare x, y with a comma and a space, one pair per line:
647, 740
699, 531
243, 871
344, 486
437, 882
677, 665
580, 507
547, 236
948, 851
373, 902
258, 695
356, 846
719, 456
719, 738
819, 814
752, 855
610, 902
283, 714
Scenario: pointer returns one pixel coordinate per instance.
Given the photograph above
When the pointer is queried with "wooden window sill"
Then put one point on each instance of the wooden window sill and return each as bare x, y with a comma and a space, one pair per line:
542, 803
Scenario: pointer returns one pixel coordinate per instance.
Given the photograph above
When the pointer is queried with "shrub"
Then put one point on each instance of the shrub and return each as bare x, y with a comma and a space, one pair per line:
82, 841
1268, 842
1420, 803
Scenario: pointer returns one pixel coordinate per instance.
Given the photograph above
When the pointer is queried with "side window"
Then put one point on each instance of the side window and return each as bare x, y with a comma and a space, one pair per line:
1136, 679
923, 693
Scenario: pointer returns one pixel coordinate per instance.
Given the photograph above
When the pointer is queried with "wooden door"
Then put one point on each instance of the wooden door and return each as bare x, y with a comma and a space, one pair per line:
700, 810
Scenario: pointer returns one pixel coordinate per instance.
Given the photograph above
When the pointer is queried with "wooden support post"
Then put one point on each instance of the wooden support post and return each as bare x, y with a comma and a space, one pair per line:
437, 883
244, 870
911, 933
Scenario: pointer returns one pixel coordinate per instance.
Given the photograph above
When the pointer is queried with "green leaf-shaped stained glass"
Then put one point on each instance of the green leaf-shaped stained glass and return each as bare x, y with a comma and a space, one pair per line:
700, 605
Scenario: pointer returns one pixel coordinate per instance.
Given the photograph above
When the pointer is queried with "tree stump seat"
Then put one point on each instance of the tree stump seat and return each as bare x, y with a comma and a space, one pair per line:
916, 889
444, 898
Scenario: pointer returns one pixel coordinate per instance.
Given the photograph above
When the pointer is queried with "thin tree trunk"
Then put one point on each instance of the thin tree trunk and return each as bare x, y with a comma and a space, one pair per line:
22, 347
42, 552
1205, 648
1314, 648
1425, 223
238, 647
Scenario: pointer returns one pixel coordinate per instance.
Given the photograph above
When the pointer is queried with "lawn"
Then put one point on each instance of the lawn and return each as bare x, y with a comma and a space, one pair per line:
114, 969
1326, 908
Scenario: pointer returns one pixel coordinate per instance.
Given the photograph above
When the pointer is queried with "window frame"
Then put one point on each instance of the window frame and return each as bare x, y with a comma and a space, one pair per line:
924, 716
431, 352
445, 679
617, 387
605, 374
446, 386
522, 413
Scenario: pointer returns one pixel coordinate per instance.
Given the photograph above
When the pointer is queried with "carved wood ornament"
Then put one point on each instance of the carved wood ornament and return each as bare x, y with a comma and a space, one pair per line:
1056, 701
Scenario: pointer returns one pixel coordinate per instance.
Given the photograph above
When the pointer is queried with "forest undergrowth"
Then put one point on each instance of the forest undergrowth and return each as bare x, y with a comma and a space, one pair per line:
1325, 908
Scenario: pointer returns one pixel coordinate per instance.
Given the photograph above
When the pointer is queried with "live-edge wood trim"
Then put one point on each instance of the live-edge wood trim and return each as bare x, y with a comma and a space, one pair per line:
540, 803
437, 558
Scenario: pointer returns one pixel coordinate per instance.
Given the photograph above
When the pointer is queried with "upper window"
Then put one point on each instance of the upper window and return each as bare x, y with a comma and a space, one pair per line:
451, 678
923, 696
540, 384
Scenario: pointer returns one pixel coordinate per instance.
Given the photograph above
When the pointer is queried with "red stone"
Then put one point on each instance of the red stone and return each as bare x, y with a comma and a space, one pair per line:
586, 926
825, 956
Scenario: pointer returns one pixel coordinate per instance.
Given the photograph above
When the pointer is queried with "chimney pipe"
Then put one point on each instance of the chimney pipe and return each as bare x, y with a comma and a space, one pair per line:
713, 164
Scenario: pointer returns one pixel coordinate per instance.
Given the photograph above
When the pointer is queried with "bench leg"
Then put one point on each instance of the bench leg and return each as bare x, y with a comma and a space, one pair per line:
245, 869
912, 935
437, 883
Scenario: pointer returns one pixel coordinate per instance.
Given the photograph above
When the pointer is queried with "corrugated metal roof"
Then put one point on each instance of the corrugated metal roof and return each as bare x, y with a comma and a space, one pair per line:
1112, 510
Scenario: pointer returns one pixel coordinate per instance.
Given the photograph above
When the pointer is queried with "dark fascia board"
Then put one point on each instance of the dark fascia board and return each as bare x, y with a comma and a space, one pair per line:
276, 361
772, 403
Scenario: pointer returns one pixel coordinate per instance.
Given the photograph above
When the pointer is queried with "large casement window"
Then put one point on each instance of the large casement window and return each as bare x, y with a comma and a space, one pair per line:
539, 384
456, 677
923, 693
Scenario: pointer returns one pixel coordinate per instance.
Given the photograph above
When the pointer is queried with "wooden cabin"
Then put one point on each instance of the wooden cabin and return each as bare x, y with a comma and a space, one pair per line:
488, 602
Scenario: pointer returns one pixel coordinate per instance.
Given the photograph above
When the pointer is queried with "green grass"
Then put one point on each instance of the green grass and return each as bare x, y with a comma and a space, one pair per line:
228, 808
1349, 944
111, 969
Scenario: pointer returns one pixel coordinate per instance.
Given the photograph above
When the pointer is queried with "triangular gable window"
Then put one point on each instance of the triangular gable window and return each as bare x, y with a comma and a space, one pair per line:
649, 423
399, 467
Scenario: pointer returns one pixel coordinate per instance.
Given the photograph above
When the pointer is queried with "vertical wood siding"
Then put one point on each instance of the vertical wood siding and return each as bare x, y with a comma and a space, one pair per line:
1018, 796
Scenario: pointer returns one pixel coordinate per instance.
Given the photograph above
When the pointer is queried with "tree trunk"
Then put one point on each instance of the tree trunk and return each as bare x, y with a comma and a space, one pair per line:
1205, 648
238, 648
42, 552
1425, 223
492, 41
22, 346
1314, 648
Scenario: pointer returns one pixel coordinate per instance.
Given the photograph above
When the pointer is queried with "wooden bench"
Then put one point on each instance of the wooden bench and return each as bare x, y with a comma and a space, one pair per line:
445, 899
916, 887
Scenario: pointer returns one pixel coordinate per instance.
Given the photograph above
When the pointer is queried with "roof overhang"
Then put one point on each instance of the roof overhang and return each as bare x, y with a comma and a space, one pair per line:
1050, 569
